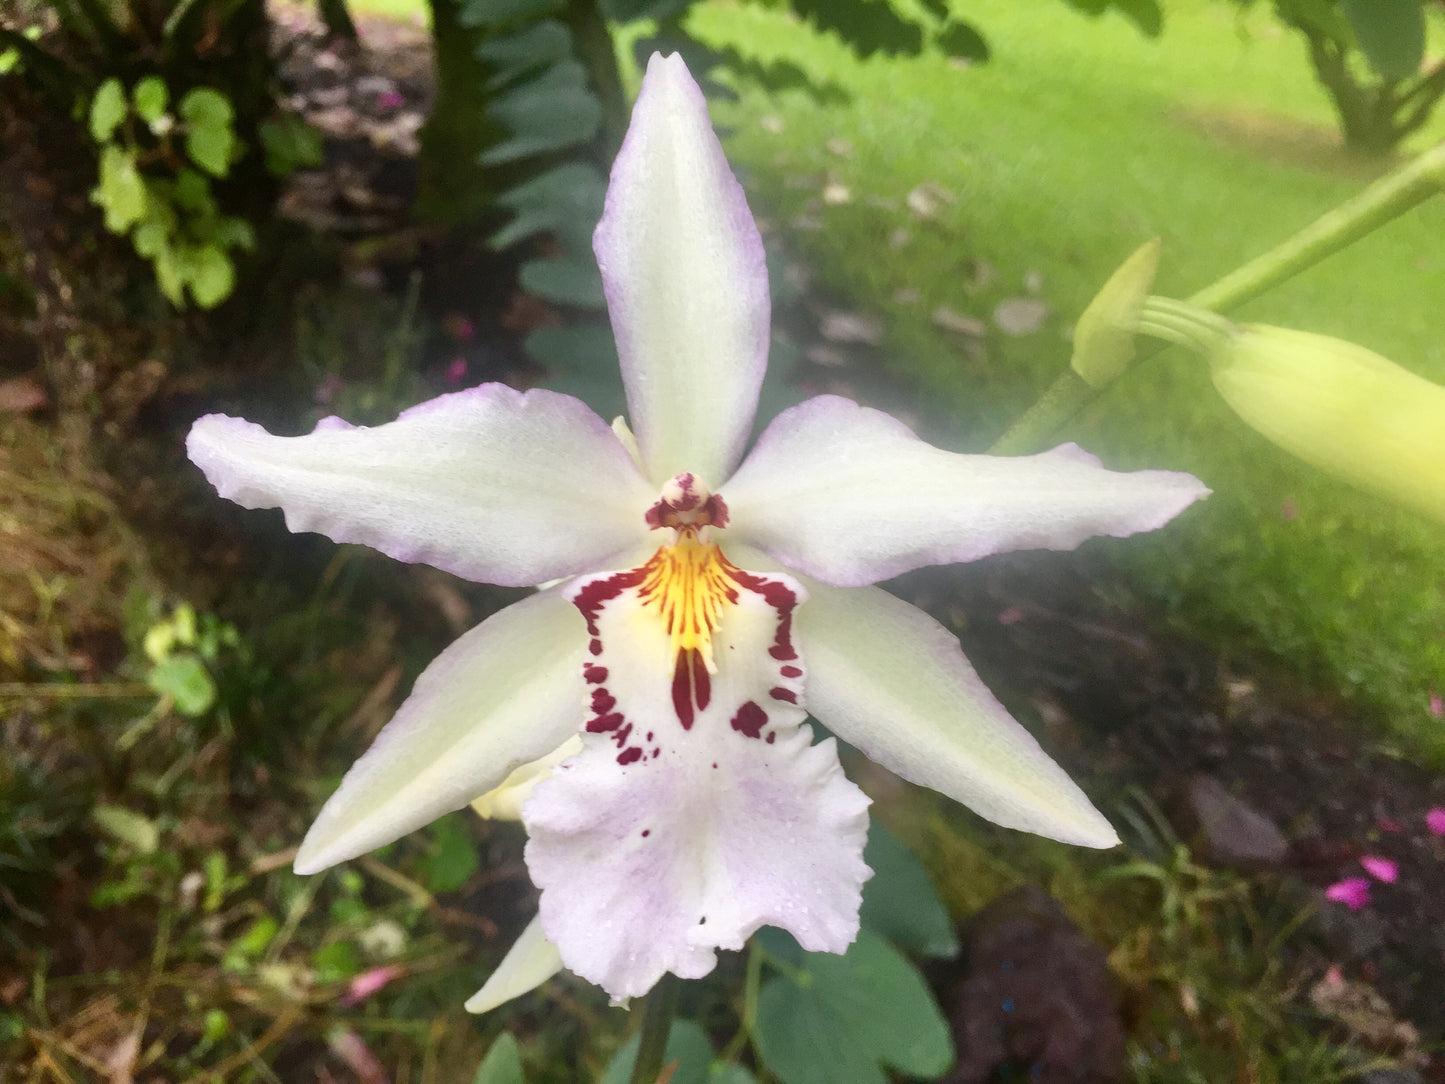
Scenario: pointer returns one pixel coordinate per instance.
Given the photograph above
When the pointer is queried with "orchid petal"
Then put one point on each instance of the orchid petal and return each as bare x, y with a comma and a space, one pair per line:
492, 484
530, 962
504, 803
887, 678
849, 495
687, 287
504, 694
682, 829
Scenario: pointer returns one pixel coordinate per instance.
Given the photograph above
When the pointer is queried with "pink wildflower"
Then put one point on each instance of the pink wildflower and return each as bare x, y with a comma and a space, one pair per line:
1388, 824
369, 982
1435, 821
1353, 892
389, 100
1382, 869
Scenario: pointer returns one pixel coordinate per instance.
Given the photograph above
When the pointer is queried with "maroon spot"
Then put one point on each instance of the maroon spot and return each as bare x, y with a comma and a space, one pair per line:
701, 680
595, 647
771, 737
646, 832
602, 701
627, 756
595, 675
649, 735
603, 723
783, 694
656, 753
749, 721
791, 671
621, 737
715, 511
598, 593
781, 598
682, 693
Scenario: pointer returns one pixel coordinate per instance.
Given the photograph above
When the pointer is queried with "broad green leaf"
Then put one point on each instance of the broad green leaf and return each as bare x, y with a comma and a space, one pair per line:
687, 1044
566, 201
231, 232
581, 361
169, 275
626, 11
121, 192
193, 192
564, 281
209, 138
212, 275
546, 42
151, 97
495, 14
841, 1019
552, 111
137, 832
149, 240
503, 1063
452, 858
182, 677
107, 110
1391, 34
900, 902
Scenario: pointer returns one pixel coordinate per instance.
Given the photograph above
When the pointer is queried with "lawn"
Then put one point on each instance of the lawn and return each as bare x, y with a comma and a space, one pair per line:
1078, 141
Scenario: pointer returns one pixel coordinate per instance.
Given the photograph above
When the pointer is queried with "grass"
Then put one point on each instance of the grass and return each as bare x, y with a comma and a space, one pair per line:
1076, 143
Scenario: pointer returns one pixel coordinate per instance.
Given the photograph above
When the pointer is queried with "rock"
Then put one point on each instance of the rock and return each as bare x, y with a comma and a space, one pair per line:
1233, 833
1035, 1002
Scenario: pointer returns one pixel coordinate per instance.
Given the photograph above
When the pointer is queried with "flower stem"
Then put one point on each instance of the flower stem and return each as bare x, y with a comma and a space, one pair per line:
656, 1026
1386, 199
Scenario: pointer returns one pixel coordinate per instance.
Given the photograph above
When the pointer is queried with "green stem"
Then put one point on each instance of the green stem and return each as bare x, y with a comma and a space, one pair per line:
1386, 199
656, 1025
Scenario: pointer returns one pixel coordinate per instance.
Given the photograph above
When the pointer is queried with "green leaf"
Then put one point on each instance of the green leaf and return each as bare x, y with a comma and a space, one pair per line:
1391, 34
121, 193
687, 1044
547, 42
566, 201
150, 240
840, 1019
900, 902
581, 361
107, 110
336, 962
290, 144
233, 232
184, 679
212, 275
137, 832
564, 281
210, 141
552, 111
503, 1063
452, 858
493, 14
193, 192
626, 11
151, 97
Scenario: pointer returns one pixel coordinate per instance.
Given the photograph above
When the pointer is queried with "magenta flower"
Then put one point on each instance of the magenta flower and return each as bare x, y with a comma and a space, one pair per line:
1435, 821
1382, 869
1353, 892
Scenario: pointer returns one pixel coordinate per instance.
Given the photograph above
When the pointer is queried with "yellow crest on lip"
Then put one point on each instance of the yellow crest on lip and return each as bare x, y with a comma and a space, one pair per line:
687, 585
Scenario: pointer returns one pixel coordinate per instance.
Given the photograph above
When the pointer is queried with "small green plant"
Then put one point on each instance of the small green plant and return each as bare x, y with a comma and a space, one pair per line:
180, 648
170, 214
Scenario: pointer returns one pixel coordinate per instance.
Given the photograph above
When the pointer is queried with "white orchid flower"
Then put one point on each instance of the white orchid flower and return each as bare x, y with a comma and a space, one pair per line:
706, 605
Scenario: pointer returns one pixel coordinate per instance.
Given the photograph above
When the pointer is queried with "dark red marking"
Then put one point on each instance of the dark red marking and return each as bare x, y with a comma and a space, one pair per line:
701, 680
595, 646
790, 671
682, 693
783, 694
596, 675
649, 735
603, 723
627, 756
781, 598
599, 593
602, 701
621, 736
646, 832
772, 736
749, 721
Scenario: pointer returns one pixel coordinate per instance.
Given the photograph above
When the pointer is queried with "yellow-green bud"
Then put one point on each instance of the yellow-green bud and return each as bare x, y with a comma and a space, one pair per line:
1104, 334
1341, 408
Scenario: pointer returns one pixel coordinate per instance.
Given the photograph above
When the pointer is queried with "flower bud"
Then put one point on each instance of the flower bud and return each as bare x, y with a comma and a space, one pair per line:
1341, 408
1104, 333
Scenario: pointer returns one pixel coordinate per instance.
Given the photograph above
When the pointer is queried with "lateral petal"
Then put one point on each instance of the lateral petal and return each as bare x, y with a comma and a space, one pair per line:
503, 695
492, 484
686, 283
681, 830
849, 495
887, 678
530, 962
